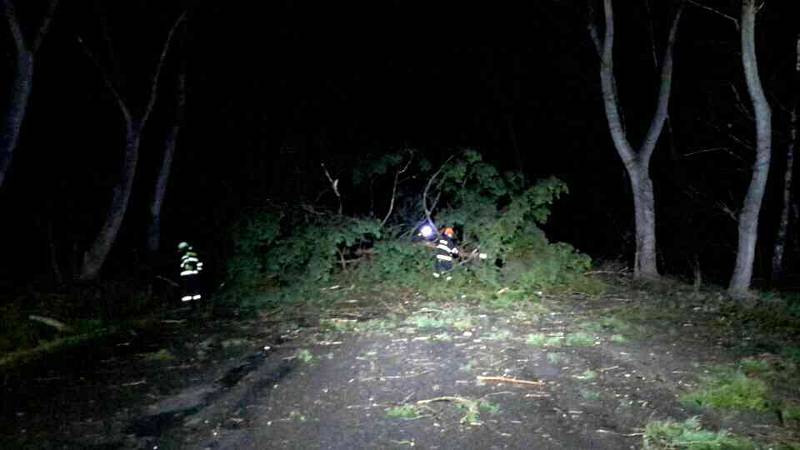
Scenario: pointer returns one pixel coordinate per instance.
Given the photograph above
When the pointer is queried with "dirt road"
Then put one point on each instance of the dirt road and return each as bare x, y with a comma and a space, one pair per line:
563, 373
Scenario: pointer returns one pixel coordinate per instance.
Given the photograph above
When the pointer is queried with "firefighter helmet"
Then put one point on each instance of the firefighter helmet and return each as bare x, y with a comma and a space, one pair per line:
449, 232
184, 246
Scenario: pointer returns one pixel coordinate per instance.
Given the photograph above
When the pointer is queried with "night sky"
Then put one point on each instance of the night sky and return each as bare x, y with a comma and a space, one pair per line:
273, 89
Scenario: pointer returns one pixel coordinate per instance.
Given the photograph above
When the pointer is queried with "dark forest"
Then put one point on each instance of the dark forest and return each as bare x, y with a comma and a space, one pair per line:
204, 199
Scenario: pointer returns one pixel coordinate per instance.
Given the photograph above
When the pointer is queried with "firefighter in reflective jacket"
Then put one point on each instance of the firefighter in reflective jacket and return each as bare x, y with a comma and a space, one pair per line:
446, 251
191, 266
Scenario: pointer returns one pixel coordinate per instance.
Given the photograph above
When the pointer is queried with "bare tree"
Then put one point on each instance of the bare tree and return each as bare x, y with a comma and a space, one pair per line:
95, 256
637, 163
783, 225
154, 227
22, 80
748, 217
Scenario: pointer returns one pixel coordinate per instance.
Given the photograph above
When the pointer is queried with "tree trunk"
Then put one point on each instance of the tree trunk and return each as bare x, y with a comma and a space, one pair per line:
154, 228
748, 218
637, 163
15, 112
96, 255
645, 215
783, 226
23, 79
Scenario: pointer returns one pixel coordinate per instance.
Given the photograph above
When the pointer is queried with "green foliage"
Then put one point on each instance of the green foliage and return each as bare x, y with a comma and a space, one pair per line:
400, 262
791, 413
18, 331
406, 412
587, 375
689, 435
304, 356
498, 216
292, 248
730, 390
590, 395
579, 339
542, 340
429, 319
281, 252
254, 233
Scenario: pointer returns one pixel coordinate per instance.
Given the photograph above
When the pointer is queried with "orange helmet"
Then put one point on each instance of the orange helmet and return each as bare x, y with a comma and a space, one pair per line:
448, 231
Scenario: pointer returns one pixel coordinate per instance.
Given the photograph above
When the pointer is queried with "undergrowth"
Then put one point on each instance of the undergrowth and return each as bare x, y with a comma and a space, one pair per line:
689, 435
284, 253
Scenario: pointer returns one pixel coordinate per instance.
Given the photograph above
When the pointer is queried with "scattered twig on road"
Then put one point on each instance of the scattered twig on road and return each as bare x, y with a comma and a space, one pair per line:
601, 430
49, 321
167, 280
510, 380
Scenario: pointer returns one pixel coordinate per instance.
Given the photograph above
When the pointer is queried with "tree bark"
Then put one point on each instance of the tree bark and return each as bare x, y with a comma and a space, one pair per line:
15, 111
748, 218
645, 218
783, 226
95, 256
22, 82
154, 228
637, 163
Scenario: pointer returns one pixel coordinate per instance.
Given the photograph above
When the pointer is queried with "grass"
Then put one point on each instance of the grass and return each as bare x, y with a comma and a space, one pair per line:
337, 325
304, 356
791, 353
753, 366
48, 347
542, 340
433, 319
297, 415
618, 339
587, 375
405, 412
472, 407
426, 322
610, 324
579, 339
689, 435
498, 335
442, 337
589, 394
729, 389
791, 413
161, 355
555, 358
379, 326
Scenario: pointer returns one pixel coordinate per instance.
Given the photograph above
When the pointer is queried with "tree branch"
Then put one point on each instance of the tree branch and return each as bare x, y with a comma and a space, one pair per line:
715, 11
154, 85
598, 46
334, 185
45, 25
394, 188
126, 114
660, 114
13, 24
427, 188
608, 85
740, 105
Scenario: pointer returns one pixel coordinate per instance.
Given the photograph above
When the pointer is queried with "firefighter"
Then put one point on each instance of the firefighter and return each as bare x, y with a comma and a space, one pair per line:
191, 266
446, 252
